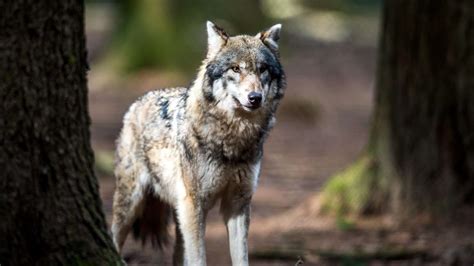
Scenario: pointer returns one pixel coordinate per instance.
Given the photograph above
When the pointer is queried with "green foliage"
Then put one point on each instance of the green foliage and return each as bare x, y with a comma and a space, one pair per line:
171, 33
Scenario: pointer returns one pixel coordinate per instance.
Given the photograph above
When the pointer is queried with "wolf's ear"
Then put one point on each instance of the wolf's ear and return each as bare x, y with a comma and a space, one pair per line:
216, 38
270, 37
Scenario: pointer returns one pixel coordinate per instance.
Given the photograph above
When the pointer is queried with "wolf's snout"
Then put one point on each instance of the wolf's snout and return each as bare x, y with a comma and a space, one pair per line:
255, 98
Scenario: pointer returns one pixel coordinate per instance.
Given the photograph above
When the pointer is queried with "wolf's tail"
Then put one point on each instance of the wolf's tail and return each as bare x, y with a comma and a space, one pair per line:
153, 223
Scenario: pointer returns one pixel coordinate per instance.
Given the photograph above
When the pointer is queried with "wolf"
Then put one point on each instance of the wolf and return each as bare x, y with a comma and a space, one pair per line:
181, 150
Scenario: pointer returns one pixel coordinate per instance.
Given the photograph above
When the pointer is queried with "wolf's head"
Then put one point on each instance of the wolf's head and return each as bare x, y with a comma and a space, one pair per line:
243, 73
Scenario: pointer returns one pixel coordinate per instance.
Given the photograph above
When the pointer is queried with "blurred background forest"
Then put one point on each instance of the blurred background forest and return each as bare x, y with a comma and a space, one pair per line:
329, 52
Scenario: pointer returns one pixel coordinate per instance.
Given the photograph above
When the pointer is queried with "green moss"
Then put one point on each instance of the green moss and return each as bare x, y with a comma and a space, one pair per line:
351, 190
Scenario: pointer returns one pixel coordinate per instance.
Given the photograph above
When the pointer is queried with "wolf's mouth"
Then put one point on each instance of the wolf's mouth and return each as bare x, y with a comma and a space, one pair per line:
245, 107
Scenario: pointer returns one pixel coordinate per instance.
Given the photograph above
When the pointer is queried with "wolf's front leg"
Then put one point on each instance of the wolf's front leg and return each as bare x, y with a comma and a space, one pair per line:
237, 228
192, 225
236, 213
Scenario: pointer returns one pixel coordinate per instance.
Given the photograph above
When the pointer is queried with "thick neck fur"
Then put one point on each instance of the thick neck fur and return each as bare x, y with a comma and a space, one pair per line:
234, 136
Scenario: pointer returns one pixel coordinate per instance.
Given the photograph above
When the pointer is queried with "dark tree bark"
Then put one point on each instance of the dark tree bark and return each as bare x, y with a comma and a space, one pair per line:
424, 115
50, 210
420, 157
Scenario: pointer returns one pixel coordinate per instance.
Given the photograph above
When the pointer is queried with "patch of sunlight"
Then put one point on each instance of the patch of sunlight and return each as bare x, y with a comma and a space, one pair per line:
281, 9
327, 26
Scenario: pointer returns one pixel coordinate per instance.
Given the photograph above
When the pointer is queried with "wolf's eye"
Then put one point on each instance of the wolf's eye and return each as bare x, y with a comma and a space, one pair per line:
236, 69
262, 69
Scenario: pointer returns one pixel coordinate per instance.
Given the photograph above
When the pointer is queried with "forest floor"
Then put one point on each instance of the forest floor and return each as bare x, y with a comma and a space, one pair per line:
323, 125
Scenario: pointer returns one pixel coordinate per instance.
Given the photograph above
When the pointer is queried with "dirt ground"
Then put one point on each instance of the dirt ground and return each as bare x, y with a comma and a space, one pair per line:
323, 125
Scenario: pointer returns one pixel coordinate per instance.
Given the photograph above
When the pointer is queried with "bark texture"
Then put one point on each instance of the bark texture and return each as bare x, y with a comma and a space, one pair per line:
423, 134
50, 209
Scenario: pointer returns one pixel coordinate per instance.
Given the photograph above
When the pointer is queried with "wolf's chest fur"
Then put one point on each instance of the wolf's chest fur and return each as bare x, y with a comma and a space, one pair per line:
227, 141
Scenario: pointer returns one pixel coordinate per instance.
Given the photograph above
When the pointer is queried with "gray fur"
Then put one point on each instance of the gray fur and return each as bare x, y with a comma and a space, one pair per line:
189, 148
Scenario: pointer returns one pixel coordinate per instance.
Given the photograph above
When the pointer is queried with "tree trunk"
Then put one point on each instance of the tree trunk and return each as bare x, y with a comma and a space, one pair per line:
421, 151
424, 116
50, 209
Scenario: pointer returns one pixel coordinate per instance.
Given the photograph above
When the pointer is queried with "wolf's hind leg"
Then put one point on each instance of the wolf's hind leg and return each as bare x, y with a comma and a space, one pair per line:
192, 224
127, 204
178, 253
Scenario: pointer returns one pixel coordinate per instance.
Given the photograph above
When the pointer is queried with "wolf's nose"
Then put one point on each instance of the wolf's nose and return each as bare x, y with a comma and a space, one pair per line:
255, 98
